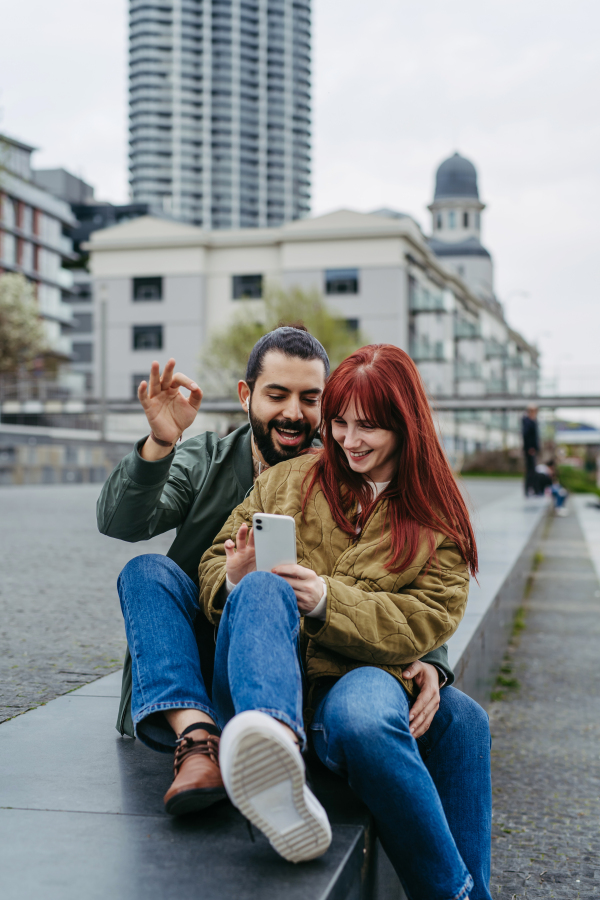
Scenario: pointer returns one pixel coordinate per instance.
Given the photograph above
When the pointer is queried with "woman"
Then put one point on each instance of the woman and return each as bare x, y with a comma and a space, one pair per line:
384, 548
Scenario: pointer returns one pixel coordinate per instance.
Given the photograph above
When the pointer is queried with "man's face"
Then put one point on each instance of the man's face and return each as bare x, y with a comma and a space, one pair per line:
285, 405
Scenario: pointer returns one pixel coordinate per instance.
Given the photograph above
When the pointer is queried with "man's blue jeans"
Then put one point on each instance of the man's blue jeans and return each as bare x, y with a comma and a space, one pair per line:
431, 798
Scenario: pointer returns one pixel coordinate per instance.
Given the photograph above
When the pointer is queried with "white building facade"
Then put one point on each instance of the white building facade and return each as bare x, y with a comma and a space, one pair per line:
220, 110
32, 242
167, 287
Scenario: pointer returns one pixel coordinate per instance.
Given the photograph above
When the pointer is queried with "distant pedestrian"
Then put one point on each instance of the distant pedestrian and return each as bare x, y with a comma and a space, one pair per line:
531, 446
559, 493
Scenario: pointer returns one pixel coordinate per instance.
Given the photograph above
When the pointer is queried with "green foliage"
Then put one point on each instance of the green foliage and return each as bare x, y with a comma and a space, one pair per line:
578, 481
21, 332
224, 359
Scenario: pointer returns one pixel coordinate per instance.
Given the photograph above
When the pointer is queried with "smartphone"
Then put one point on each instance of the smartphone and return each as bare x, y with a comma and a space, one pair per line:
274, 540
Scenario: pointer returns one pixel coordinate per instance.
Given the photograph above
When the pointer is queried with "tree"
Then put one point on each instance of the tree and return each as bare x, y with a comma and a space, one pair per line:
224, 358
22, 336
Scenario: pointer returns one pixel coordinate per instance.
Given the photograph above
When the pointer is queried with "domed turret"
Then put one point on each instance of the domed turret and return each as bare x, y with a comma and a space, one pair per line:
456, 177
456, 219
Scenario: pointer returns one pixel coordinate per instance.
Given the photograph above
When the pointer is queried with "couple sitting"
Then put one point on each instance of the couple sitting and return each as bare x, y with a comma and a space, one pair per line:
385, 548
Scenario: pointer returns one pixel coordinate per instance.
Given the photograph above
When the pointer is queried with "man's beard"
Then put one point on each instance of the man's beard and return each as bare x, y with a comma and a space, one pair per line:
265, 443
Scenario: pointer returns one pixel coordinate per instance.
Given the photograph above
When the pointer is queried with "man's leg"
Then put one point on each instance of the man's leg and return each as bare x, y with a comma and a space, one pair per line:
159, 604
361, 731
257, 689
456, 752
529, 474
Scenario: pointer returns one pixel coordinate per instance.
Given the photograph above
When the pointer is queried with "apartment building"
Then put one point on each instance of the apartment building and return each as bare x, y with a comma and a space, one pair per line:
220, 110
167, 287
34, 240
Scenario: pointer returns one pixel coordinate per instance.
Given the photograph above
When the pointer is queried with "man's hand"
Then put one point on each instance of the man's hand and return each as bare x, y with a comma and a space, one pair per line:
241, 556
305, 583
427, 703
168, 412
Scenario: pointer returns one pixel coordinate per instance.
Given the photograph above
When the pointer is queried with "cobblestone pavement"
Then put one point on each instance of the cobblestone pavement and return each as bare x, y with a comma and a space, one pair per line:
60, 622
546, 734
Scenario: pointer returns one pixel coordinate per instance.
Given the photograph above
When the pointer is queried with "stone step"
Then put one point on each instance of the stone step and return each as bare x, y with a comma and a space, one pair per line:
82, 816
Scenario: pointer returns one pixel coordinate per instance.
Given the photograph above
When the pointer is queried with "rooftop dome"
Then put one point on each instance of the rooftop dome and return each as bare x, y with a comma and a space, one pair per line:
456, 177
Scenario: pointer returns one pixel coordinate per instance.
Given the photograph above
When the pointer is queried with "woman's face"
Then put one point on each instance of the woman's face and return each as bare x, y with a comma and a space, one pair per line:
371, 452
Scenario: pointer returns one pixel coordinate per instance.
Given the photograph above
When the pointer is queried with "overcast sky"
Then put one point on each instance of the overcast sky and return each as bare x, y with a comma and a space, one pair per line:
398, 86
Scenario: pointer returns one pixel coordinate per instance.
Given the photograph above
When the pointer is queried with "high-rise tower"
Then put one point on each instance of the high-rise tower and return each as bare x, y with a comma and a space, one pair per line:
220, 109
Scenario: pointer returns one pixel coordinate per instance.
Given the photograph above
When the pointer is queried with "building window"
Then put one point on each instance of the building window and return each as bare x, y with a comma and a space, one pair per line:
247, 287
8, 248
438, 221
341, 281
452, 219
147, 337
82, 353
82, 323
147, 289
136, 380
352, 325
465, 220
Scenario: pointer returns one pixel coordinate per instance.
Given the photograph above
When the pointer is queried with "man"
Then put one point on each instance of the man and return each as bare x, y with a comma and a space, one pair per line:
531, 446
168, 677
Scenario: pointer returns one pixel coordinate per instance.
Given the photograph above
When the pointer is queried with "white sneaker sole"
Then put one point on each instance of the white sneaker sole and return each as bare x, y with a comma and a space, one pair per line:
265, 781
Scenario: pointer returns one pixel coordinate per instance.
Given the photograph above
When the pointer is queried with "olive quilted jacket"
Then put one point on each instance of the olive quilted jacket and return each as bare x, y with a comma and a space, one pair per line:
374, 617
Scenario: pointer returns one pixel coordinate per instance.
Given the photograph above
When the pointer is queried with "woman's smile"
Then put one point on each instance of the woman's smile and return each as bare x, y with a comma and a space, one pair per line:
369, 450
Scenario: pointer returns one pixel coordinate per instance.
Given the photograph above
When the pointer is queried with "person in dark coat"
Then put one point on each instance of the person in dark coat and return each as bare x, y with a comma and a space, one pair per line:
531, 447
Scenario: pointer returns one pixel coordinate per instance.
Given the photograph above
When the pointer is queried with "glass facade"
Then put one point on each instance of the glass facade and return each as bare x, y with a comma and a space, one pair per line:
220, 109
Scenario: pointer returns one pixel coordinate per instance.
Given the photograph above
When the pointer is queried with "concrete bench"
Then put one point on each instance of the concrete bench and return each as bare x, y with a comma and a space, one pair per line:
81, 813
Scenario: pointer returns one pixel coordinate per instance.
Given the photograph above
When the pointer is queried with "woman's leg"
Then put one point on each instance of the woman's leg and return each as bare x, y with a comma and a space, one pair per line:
361, 731
256, 659
456, 752
258, 693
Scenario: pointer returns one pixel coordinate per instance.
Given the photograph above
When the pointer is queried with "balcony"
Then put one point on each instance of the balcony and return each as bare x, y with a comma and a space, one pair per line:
494, 349
423, 300
423, 350
467, 371
495, 386
463, 328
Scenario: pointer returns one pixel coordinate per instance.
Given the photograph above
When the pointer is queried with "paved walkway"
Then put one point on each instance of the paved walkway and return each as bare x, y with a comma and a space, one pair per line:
60, 622
546, 734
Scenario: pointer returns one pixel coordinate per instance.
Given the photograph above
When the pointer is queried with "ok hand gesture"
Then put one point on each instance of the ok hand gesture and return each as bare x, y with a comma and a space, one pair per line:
168, 412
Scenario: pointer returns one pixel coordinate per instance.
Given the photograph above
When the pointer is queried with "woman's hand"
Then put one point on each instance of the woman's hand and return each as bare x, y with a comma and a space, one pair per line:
427, 703
241, 557
305, 583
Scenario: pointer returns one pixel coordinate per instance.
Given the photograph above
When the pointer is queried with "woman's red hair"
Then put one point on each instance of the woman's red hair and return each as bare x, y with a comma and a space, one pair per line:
388, 393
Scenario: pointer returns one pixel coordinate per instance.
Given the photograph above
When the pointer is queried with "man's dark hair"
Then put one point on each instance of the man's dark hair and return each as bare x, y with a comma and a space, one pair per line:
293, 340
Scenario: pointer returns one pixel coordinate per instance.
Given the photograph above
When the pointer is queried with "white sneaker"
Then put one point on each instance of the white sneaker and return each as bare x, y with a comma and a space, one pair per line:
263, 773
561, 511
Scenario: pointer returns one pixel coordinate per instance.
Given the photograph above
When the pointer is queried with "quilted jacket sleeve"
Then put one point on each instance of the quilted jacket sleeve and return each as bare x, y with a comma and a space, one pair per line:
399, 626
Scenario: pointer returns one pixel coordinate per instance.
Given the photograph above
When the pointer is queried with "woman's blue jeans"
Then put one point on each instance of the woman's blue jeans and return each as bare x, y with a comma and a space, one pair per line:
431, 798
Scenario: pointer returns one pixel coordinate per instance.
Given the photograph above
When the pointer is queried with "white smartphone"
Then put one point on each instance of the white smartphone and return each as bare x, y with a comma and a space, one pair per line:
274, 540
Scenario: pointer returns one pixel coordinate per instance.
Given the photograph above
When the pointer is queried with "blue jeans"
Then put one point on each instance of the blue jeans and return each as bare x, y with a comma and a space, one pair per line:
431, 798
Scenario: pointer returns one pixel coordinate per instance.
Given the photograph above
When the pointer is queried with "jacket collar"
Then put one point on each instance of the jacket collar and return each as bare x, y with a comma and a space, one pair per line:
242, 459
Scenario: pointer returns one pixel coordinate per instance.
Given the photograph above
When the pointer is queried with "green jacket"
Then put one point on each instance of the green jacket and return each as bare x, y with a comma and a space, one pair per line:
194, 490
